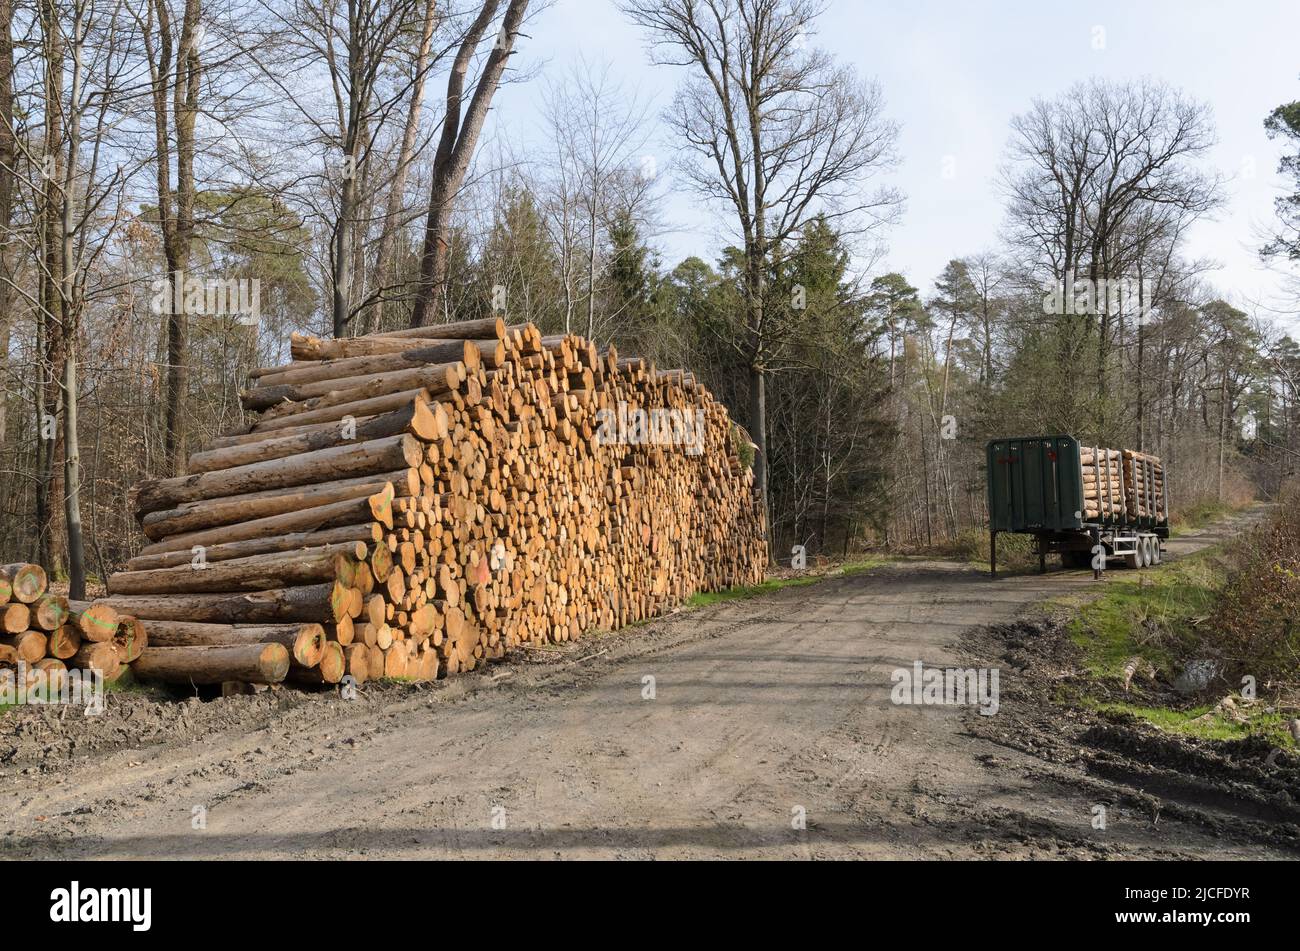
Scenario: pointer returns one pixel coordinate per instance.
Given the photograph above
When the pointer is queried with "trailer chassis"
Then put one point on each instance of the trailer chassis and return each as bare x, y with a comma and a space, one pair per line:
1140, 547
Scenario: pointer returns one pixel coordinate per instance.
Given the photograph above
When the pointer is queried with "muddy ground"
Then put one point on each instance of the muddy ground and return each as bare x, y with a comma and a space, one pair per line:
766, 732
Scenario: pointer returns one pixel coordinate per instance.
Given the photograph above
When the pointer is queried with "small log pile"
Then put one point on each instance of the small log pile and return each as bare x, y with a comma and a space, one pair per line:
1122, 485
48, 634
415, 504
1103, 483
1144, 486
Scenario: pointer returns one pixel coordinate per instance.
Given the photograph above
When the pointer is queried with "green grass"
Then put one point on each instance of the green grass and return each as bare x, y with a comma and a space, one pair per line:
1199, 516
855, 566
1206, 722
1151, 614
1159, 615
706, 598
867, 563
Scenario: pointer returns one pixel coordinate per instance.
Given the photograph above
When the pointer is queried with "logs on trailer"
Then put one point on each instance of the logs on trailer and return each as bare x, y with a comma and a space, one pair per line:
1144, 486
1103, 483
47, 633
416, 504
1122, 485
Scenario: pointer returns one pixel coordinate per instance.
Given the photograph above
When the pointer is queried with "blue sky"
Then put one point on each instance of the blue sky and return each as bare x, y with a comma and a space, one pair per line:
953, 74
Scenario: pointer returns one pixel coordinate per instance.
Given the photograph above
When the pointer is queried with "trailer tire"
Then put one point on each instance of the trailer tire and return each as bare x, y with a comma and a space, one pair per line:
1159, 551
1134, 560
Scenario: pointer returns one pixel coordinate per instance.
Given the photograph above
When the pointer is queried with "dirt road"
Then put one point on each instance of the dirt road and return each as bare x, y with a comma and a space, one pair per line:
759, 713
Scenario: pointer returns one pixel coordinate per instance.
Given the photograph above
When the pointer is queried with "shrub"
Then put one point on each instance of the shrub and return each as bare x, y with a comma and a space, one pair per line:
1257, 619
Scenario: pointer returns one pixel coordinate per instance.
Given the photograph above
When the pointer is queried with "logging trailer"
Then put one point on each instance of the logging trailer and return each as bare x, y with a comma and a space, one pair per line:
1073, 499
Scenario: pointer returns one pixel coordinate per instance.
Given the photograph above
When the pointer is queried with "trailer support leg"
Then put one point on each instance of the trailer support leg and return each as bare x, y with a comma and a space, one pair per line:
1042, 559
993, 554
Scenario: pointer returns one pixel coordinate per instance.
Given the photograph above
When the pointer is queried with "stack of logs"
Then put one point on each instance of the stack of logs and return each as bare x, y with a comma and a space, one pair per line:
47, 633
1122, 485
415, 504
1103, 483
1144, 485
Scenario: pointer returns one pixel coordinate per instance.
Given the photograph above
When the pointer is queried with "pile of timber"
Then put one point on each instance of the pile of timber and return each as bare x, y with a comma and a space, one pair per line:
1144, 486
1103, 483
1122, 485
46, 634
415, 504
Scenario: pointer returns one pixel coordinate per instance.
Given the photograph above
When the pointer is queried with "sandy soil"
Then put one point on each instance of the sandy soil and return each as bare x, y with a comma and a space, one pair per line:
762, 712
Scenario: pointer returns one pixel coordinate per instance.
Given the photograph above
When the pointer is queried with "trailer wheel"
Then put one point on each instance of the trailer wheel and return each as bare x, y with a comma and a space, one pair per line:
1134, 560
1148, 556
1159, 552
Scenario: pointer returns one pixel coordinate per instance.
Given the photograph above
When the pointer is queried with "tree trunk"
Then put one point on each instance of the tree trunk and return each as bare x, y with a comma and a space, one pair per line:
456, 148
175, 76
410, 135
305, 642
8, 162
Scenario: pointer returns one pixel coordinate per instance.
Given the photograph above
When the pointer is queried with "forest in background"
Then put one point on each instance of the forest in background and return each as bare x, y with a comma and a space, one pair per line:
182, 184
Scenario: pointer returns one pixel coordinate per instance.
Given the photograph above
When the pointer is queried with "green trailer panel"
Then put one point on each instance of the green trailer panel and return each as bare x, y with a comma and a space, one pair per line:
1035, 484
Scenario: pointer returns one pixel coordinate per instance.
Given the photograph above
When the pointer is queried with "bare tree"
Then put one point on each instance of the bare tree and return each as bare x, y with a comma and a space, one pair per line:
172, 53
8, 185
775, 131
461, 128
597, 132
1085, 167
393, 220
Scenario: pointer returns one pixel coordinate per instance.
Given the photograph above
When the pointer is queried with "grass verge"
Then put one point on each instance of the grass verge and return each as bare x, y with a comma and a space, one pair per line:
1142, 629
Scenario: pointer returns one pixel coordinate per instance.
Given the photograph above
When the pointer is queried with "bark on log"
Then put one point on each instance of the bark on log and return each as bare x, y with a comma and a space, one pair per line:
256, 573
417, 419
178, 528
369, 458
436, 353
315, 604
436, 379
305, 642
493, 327
358, 404
228, 551
246, 663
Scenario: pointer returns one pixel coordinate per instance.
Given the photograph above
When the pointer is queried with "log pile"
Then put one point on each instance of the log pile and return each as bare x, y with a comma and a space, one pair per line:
48, 634
1103, 483
1122, 485
415, 504
1144, 486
